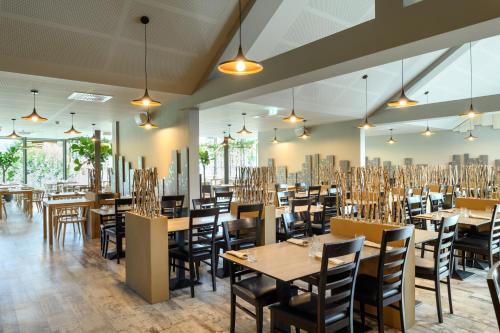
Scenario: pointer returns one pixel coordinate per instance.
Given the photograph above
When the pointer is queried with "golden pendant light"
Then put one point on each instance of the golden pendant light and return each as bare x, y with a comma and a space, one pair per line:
471, 137
13, 135
402, 101
145, 100
366, 124
72, 130
427, 131
229, 137
93, 138
275, 140
225, 141
148, 124
240, 65
305, 133
34, 116
293, 118
243, 130
391, 140
471, 112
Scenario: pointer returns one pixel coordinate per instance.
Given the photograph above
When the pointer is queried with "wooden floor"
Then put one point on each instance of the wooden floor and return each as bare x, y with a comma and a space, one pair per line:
73, 289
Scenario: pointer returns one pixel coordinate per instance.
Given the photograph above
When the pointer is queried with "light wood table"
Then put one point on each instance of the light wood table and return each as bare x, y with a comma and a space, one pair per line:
48, 211
65, 195
27, 193
478, 218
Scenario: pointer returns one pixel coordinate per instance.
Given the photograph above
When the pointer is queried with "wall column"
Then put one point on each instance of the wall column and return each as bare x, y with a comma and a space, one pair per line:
97, 163
25, 161
226, 163
115, 146
194, 159
65, 159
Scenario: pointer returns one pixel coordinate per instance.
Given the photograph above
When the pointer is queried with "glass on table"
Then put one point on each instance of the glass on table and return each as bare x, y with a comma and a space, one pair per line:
252, 256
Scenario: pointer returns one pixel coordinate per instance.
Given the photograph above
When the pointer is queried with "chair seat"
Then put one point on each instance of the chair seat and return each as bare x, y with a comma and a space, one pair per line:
473, 244
366, 289
199, 253
424, 268
303, 308
256, 287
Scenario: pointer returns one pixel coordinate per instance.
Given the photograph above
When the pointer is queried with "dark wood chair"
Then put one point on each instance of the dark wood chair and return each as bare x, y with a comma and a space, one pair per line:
313, 194
280, 187
321, 225
436, 201
477, 244
331, 309
200, 245
116, 234
203, 203
413, 207
294, 226
442, 266
223, 201
206, 191
493, 280
284, 198
301, 189
222, 189
386, 288
424, 194
302, 202
172, 205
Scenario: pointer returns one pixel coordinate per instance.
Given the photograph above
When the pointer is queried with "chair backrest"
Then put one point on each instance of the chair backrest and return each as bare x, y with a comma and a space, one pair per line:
494, 243
284, 198
443, 247
443, 188
332, 190
250, 208
279, 187
222, 189
337, 284
171, 205
437, 201
223, 200
493, 279
329, 207
300, 187
202, 234
413, 207
392, 262
241, 232
294, 225
206, 191
313, 193
203, 203
121, 207
305, 202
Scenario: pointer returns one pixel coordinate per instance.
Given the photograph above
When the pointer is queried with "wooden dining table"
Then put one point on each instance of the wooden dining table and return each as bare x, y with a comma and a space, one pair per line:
65, 195
48, 212
26, 192
475, 218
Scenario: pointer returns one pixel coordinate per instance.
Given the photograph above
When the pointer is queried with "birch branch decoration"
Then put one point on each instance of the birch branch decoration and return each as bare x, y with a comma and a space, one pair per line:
144, 199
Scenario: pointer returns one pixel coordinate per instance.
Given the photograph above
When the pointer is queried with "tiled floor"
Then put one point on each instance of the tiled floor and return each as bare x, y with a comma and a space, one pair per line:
73, 289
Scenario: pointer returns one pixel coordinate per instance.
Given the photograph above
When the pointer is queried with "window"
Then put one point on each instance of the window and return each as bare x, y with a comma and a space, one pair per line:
11, 161
44, 160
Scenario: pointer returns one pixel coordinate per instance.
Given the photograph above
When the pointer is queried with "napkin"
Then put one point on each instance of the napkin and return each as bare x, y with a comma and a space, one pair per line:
376, 245
296, 241
238, 254
334, 261
474, 216
427, 216
448, 210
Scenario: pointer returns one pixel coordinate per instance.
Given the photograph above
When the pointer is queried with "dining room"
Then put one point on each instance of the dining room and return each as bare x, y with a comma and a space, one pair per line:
250, 166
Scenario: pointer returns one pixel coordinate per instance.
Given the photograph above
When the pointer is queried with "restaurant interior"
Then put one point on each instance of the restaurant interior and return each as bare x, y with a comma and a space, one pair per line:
250, 166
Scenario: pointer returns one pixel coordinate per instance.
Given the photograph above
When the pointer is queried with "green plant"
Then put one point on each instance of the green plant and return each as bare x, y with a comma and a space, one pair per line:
83, 151
7, 160
204, 160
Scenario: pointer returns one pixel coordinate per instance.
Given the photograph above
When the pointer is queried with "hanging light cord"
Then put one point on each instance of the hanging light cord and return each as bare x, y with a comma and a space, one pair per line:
470, 60
402, 74
366, 96
34, 97
293, 99
145, 55
239, 4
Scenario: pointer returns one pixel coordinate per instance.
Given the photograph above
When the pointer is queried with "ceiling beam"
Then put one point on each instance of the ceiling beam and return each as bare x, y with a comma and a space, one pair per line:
392, 35
426, 75
483, 104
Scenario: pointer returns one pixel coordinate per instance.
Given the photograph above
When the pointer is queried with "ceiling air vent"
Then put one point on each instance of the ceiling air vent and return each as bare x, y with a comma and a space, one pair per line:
87, 97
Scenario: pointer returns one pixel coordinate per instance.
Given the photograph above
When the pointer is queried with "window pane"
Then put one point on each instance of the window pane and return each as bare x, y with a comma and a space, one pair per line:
44, 162
11, 163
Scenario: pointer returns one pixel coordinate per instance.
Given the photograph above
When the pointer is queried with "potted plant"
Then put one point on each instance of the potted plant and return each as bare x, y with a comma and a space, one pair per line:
8, 159
204, 160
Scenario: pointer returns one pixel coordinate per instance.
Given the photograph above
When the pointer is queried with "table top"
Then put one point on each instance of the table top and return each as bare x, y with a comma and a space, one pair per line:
16, 190
476, 217
287, 262
65, 194
182, 223
298, 209
68, 202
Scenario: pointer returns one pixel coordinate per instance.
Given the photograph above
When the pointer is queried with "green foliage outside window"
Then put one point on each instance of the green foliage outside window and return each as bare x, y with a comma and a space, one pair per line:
83, 151
8, 159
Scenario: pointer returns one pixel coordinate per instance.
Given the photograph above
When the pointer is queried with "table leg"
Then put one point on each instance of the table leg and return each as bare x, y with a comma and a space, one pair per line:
44, 212
50, 222
284, 291
30, 205
1, 207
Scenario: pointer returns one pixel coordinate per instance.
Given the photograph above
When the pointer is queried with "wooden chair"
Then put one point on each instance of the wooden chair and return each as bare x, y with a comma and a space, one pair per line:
200, 245
278, 187
331, 309
206, 191
413, 207
37, 199
116, 233
203, 203
442, 265
313, 194
223, 201
284, 198
493, 280
301, 189
322, 225
424, 194
386, 288
172, 205
293, 226
476, 244
253, 288
437, 201
73, 216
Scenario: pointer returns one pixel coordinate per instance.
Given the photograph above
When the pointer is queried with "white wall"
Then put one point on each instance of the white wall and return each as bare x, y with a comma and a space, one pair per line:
339, 139
437, 149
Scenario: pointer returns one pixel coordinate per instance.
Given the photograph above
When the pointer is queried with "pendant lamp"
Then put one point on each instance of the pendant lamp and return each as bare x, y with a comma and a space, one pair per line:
72, 130
275, 140
402, 101
224, 142
229, 137
240, 65
293, 118
391, 140
34, 116
366, 124
243, 130
471, 137
93, 137
145, 100
305, 133
471, 112
427, 131
148, 124
13, 135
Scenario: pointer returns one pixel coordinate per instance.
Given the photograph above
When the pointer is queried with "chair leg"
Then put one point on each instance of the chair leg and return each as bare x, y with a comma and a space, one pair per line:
233, 313
214, 282
106, 244
259, 317
362, 314
402, 316
273, 322
463, 259
64, 233
380, 318
438, 299
448, 279
191, 276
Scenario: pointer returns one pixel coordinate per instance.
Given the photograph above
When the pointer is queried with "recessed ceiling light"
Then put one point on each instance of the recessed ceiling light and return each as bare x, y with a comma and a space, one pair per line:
87, 97
256, 117
272, 111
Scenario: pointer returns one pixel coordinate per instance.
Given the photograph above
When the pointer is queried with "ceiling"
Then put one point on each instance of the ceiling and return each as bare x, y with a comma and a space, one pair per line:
16, 101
